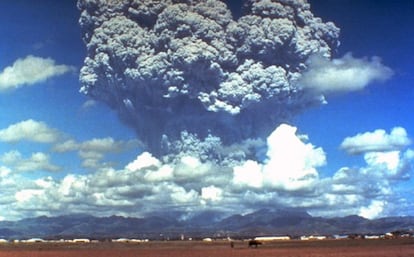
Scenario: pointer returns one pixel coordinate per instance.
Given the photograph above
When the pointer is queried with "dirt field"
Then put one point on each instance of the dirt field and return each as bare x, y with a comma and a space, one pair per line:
334, 248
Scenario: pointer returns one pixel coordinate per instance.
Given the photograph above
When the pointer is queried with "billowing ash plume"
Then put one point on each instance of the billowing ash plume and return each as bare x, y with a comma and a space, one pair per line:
179, 68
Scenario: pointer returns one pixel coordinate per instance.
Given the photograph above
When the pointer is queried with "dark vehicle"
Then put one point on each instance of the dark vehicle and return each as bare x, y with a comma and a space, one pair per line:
254, 243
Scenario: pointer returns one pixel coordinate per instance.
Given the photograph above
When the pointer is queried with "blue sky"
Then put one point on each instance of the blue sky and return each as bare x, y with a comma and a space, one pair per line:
89, 161
368, 28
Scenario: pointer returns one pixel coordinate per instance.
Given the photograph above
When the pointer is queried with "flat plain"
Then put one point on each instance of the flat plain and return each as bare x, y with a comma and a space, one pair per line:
293, 248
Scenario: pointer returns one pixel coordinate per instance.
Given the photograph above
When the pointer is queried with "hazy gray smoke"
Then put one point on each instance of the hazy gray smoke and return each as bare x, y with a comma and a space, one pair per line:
187, 66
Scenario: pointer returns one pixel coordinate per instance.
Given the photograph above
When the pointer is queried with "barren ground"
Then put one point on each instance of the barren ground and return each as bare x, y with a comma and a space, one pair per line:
326, 248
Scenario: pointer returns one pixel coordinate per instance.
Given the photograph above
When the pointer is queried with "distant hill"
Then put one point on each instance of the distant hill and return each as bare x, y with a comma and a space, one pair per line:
262, 222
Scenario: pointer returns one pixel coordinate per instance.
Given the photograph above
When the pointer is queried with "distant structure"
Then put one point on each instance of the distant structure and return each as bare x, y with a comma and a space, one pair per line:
81, 240
121, 240
312, 237
34, 240
271, 238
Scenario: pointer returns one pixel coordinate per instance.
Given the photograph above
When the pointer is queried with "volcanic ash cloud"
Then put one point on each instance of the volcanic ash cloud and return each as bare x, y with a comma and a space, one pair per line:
176, 68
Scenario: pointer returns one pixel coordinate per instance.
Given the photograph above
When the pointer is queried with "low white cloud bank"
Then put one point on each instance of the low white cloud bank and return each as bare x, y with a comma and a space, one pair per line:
29, 130
36, 162
30, 70
343, 75
288, 177
376, 141
93, 151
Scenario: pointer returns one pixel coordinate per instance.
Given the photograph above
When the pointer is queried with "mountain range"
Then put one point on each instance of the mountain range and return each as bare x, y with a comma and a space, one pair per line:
204, 224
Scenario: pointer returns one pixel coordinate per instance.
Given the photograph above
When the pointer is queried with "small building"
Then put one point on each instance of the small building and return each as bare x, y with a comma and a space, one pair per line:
121, 240
271, 238
34, 240
341, 237
312, 237
81, 240
372, 237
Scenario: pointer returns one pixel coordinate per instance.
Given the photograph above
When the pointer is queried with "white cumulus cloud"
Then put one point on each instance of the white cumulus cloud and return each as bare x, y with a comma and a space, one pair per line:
29, 130
211, 193
94, 150
248, 174
36, 162
343, 75
144, 160
288, 177
378, 140
291, 164
30, 70
373, 210
390, 165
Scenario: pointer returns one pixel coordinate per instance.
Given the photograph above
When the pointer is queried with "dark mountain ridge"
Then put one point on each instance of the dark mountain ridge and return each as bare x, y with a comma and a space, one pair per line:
291, 222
